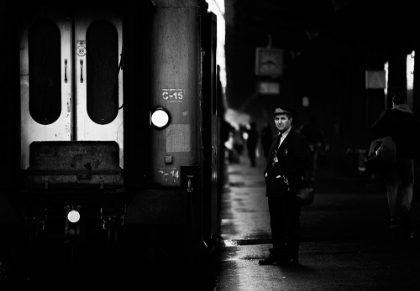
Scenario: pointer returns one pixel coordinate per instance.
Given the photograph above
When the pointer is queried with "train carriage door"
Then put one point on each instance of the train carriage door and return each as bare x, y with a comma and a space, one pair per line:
70, 77
45, 78
98, 77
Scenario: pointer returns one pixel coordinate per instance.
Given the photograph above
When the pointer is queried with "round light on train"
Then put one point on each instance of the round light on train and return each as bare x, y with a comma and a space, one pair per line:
160, 117
73, 216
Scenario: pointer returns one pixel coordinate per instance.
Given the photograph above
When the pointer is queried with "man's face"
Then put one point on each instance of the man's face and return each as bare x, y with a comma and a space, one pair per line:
283, 122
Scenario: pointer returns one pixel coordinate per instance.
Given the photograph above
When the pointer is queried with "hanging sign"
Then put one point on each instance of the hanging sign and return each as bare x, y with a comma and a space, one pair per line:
268, 88
375, 80
268, 62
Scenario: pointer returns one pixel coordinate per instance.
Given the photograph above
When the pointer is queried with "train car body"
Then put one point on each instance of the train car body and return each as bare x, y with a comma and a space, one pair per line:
80, 84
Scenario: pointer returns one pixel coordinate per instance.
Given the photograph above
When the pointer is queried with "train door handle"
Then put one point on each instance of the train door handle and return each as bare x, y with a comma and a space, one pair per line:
65, 70
189, 186
81, 71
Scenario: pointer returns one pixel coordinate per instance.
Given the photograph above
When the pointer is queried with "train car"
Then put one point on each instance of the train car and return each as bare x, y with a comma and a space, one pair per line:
110, 120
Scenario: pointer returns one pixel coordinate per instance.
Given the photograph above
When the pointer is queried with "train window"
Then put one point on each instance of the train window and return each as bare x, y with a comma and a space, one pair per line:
44, 47
102, 71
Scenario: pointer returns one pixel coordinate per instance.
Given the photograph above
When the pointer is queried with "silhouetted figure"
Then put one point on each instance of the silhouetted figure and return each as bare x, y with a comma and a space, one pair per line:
266, 139
225, 131
238, 143
226, 135
251, 143
404, 128
317, 144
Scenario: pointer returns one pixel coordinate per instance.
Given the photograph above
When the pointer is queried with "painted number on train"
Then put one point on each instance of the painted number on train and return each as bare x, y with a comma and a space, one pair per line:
173, 95
172, 176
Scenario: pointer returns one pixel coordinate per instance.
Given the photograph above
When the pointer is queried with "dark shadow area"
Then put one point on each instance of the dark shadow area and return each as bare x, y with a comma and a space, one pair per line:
152, 257
300, 269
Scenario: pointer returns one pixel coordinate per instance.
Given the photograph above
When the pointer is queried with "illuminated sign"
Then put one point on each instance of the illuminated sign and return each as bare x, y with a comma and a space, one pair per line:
375, 80
268, 62
269, 88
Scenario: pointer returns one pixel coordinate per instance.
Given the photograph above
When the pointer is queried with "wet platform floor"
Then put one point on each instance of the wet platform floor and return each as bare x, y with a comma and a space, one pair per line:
346, 240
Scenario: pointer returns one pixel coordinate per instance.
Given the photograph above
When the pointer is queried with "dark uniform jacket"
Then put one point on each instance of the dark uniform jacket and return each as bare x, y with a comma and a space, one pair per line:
293, 160
404, 128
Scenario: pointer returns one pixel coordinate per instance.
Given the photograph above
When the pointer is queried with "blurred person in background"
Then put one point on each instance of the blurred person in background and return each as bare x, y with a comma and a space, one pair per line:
317, 144
252, 143
266, 139
404, 128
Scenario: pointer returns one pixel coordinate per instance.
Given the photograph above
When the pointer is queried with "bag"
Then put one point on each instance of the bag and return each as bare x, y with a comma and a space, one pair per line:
305, 194
381, 152
374, 162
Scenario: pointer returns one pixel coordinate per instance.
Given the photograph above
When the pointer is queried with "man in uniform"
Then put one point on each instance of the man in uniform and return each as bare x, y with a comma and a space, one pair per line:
288, 160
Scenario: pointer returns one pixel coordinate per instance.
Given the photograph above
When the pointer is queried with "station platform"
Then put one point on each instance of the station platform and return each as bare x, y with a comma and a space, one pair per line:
346, 244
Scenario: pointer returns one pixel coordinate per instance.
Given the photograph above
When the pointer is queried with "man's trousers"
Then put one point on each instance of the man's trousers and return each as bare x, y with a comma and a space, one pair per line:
285, 226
